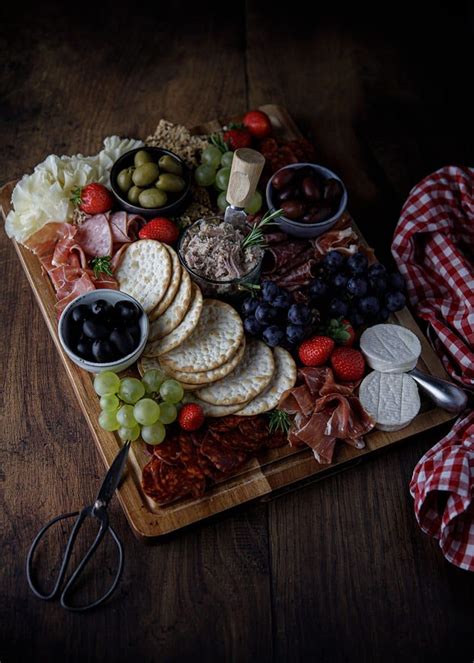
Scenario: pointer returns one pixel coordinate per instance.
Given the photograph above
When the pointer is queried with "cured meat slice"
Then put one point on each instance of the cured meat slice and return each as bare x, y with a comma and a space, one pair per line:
281, 256
341, 237
64, 274
43, 242
297, 400
95, 236
276, 439
125, 227
79, 287
275, 237
297, 277
178, 482
320, 381
255, 428
224, 459
168, 451
224, 424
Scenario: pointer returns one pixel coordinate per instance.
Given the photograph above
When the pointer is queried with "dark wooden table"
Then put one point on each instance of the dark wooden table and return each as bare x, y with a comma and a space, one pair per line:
336, 571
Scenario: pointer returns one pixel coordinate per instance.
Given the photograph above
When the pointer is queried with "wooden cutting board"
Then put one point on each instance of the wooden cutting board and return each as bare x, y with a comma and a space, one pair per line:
273, 470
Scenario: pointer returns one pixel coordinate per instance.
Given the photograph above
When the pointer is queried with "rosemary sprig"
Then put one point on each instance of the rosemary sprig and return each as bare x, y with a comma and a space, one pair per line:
256, 236
279, 420
102, 266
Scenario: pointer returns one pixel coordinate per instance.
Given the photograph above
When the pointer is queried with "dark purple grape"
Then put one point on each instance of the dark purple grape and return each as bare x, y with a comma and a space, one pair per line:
357, 286
95, 329
318, 289
355, 318
395, 301
357, 263
122, 341
376, 270
382, 315
273, 335
283, 300
378, 284
101, 309
103, 351
269, 291
265, 314
80, 312
338, 308
339, 280
295, 334
249, 305
84, 349
126, 310
369, 305
299, 314
333, 261
252, 326
397, 282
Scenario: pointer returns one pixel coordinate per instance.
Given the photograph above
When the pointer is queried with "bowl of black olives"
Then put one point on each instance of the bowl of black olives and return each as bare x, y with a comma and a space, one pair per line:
103, 330
151, 181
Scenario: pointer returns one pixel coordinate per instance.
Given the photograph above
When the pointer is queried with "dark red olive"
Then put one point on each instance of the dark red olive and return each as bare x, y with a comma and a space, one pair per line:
310, 188
332, 190
282, 178
287, 193
318, 215
293, 209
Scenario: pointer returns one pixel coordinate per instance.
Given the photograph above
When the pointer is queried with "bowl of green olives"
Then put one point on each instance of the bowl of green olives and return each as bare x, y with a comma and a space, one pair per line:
151, 181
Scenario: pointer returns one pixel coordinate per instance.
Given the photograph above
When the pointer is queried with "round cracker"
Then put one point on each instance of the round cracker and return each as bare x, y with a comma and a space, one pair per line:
212, 410
145, 272
213, 342
181, 332
284, 378
206, 377
175, 312
251, 377
173, 287
148, 363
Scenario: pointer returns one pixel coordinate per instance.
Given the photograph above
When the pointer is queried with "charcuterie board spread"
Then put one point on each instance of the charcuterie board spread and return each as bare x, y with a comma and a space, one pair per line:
213, 302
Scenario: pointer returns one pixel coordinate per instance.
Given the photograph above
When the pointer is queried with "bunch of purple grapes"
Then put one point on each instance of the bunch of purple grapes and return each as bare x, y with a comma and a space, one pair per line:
276, 318
346, 287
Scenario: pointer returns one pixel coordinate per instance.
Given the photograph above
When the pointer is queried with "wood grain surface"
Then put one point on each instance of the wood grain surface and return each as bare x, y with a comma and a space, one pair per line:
338, 570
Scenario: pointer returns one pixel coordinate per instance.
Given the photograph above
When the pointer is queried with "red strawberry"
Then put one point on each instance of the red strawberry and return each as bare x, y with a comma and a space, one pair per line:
191, 417
348, 364
341, 331
316, 351
93, 198
237, 138
161, 229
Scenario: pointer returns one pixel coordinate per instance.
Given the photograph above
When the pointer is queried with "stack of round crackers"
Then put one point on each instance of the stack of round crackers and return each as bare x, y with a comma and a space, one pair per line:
201, 342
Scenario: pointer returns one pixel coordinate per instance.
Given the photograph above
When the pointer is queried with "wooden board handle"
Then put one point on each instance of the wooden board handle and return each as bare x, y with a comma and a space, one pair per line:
247, 166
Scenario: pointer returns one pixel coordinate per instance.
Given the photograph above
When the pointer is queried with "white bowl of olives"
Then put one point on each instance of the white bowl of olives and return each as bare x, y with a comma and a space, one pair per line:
151, 181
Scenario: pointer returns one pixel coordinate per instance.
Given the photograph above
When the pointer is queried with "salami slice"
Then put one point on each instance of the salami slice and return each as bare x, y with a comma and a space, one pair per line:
94, 236
224, 459
168, 451
224, 424
151, 481
255, 428
281, 257
298, 276
125, 227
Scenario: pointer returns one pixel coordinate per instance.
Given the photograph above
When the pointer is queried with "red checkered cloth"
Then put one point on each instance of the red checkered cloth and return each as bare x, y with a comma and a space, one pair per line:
433, 246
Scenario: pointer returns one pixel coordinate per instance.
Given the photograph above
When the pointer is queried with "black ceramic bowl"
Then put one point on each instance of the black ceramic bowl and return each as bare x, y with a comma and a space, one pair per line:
176, 201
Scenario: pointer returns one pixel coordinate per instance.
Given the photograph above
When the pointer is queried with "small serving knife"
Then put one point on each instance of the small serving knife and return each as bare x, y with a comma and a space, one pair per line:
247, 166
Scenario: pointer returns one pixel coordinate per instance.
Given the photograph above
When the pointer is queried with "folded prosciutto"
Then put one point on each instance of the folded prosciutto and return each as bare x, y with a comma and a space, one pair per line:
325, 411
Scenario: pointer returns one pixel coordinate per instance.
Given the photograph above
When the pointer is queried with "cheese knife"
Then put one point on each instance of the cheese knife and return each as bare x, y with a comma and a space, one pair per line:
247, 166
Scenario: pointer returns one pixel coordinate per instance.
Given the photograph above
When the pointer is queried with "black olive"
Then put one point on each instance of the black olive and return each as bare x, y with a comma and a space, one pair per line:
95, 329
135, 331
127, 310
103, 351
101, 309
80, 312
84, 349
123, 341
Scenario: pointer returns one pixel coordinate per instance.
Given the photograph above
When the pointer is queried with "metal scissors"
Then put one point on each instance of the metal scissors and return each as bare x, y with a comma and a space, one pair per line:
97, 510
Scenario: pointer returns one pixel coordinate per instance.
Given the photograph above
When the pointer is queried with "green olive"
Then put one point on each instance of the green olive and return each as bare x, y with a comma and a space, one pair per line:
145, 174
124, 179
170, 165
152, 198
172, 183
142, 157
133, 194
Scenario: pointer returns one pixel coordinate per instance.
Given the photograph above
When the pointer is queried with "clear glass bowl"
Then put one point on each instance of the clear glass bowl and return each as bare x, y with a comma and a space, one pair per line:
211, 287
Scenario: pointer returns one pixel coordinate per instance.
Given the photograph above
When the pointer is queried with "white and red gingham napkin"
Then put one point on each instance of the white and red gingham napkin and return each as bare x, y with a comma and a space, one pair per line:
433, 247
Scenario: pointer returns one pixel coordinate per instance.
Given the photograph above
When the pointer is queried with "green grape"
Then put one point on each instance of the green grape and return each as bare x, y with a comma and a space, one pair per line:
255, 203
146, 411
171, 391
109, 402
222, 178
154, 434
153, 379
129, 434
108, 421
125, 416
106, 383
168, 413
205, 175
211, 156
226, 159
221, 201
131, 390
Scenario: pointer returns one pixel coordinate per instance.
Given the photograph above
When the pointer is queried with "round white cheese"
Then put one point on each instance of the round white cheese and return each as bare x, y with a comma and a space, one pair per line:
391, 398
390, 348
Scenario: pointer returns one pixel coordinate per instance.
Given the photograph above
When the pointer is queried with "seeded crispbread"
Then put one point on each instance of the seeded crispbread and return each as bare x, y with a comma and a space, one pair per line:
210, 410
181, 332
172, 287
213, 342
148, 363
175, 312
283, 378
145, 272
206, 377
251, 377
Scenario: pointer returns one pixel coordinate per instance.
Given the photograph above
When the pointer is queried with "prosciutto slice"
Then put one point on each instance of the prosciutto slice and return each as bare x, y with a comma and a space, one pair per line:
281, 257
125, 227
298, 276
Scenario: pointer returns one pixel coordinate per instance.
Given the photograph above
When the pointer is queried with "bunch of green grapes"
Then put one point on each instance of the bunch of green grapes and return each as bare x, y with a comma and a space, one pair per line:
137, 408
215, 171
